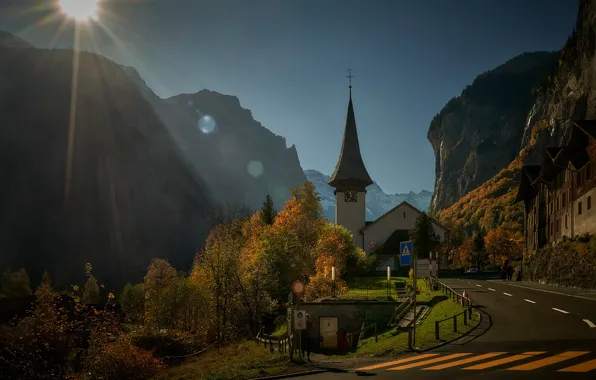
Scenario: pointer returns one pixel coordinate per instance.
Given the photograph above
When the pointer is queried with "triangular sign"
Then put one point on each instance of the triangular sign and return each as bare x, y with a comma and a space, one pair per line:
406, 250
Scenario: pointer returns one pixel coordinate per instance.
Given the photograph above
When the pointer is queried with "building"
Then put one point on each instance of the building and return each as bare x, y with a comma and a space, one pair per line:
557, 194
350, 179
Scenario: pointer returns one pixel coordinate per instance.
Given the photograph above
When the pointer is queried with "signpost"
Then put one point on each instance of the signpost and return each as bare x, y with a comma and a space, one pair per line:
405, 253
298, 288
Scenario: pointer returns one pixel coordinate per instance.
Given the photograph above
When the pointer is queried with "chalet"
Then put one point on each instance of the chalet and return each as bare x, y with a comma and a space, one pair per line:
557, 194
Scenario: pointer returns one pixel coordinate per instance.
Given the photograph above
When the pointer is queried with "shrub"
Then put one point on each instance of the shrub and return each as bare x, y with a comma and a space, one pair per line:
122, 360
169, 343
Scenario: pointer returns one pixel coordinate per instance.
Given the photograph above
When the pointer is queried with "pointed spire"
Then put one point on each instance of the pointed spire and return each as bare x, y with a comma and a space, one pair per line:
350, 172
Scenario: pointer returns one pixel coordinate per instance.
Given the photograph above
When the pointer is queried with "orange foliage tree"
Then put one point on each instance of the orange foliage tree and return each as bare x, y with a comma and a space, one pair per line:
501, 245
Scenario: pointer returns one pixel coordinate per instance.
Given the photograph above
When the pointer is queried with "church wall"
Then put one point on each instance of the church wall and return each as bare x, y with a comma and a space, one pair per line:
351, 215
401, 218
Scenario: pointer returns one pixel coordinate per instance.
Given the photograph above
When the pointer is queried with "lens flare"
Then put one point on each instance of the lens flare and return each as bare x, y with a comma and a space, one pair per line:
255, 168
207, 124
80, 10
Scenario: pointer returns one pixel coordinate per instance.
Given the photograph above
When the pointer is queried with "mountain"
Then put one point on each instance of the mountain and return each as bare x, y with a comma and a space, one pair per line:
479, 132
566, 94
377, 201
149, 174
132, 194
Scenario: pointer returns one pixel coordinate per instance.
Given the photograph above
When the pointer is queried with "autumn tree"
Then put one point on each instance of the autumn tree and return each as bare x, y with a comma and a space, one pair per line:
501, 245
132, 301
478, 247
16, 284
462, 255
268, 211
159, 275
91, 290
423, 236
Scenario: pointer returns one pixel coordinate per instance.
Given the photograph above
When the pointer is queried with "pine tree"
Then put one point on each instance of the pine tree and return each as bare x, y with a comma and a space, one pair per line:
16, 284
91, 292
267, 211
423, 236
478, 246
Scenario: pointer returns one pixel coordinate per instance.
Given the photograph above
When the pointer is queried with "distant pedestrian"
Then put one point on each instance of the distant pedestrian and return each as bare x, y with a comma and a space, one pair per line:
307, 337
509, 273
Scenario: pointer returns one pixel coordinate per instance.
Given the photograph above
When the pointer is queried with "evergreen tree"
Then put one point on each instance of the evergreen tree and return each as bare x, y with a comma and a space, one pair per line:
267, 211
91, 292
423, 236
478, 246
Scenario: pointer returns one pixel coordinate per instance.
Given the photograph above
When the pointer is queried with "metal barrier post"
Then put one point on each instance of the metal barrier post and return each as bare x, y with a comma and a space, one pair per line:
455, 323
437, 330
465, 318
470, 312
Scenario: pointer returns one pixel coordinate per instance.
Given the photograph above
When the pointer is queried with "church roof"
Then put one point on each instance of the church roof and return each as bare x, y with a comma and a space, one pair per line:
391, 245
350, 171
404, 203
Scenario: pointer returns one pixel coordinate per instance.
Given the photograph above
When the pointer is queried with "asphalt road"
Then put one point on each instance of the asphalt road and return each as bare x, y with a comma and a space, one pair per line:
528, 332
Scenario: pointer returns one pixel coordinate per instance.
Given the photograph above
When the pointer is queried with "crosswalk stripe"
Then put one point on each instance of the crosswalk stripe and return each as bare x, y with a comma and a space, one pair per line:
401, 361
464, 361
582, 367
548, 361
429, 361
509, 359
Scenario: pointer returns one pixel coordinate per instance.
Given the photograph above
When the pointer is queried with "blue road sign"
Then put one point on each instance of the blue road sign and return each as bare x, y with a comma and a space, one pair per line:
299, 314
405, 253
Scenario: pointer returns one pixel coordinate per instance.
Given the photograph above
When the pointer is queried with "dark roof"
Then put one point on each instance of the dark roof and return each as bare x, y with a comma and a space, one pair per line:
368, 222
529, 175
350, 171
587, 126
391, 245
366, 226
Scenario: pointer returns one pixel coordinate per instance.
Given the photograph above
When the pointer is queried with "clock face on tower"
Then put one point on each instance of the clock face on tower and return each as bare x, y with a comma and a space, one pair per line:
351, 196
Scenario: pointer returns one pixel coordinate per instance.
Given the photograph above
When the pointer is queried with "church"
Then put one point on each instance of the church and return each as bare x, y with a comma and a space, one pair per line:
350, 179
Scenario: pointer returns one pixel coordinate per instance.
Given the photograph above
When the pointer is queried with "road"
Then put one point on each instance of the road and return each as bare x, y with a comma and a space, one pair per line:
528, 332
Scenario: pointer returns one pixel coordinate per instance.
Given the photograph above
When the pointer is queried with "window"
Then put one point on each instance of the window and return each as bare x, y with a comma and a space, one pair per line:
566, 221
588, 171
579, 208
404, 214
589, 206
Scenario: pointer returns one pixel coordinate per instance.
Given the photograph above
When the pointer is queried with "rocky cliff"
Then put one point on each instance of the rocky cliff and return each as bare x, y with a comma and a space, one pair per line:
479, 132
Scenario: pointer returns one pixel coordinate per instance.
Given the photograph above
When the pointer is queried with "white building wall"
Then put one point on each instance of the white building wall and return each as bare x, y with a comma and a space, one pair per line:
586, 222
400, 218
351, 215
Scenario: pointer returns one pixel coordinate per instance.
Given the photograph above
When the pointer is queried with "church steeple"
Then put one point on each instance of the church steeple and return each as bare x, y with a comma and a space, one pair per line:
350, 172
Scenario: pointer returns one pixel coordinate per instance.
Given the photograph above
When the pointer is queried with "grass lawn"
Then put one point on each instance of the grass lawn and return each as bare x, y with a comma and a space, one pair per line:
392, 343
243, 360
373, 287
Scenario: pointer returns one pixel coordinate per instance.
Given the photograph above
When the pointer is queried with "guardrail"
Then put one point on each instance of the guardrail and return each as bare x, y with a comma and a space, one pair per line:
466, 302
401, 310
282, 342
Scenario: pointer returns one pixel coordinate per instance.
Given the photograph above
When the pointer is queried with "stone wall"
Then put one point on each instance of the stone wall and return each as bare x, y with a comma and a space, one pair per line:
351, 314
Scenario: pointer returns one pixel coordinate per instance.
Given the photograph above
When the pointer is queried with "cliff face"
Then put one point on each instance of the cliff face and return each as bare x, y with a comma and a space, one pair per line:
570, 93
479, 133
133, 196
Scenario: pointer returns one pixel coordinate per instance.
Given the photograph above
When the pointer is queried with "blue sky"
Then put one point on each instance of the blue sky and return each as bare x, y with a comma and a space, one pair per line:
286, 61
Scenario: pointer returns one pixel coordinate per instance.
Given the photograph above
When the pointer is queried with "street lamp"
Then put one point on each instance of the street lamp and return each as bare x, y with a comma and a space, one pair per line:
388, 280
333, 282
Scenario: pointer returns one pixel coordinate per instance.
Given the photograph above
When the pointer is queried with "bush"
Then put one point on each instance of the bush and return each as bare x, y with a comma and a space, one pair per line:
170, 343
122, 360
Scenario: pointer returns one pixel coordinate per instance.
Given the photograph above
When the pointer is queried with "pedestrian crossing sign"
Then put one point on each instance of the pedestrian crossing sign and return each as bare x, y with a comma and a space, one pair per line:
405, 253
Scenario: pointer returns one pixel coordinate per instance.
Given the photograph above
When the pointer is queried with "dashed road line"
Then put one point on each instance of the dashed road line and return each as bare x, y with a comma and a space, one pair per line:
478, 285
491, 289
552, 292
590, 323
560, 311
530, 301
507, 294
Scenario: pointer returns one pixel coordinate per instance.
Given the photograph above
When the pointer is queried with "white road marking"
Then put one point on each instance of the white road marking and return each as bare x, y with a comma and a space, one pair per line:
480, 286
491, 289
550, 291
560, 311
507, 294
530, 301
590, 323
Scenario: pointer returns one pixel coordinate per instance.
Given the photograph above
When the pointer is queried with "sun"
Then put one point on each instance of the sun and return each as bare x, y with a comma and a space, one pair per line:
80, 10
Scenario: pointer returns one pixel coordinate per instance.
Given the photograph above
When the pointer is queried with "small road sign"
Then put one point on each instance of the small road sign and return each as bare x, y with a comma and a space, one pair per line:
405, 253
299, 319
298, 287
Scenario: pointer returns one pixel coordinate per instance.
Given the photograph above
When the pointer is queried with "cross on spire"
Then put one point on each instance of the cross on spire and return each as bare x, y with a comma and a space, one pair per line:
350, 76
